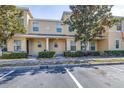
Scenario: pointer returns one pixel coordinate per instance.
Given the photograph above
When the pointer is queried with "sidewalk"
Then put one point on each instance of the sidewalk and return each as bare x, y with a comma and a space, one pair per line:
60, 61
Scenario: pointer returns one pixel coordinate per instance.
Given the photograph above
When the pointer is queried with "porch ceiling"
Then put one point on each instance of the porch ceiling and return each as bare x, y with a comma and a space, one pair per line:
43, 36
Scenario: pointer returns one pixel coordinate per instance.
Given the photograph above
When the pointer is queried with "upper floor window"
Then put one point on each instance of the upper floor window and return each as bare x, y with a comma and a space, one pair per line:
92, 46
58, 27
117, 43
36, 26
73, 46
17, 45
22, 21
119, 26
70, 29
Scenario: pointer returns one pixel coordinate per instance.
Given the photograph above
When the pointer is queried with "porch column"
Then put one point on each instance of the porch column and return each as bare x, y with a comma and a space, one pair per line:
47, 44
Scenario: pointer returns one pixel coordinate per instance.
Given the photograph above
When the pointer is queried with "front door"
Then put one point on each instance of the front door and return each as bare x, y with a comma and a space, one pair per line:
27, 46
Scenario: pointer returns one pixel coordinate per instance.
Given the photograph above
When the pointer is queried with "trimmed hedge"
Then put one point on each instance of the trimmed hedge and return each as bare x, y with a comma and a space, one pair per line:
91, 53
81, 53
46, 54
114, 53
14, 55
72, 54
94, 53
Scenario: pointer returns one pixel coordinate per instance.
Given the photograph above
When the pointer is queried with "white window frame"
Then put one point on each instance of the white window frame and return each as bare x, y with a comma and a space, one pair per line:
119, 24
94, 45
58, 25
35, 24
118, 44
17, 44
72, 44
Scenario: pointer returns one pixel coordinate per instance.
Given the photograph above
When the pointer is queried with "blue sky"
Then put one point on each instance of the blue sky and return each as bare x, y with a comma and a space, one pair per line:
55, 11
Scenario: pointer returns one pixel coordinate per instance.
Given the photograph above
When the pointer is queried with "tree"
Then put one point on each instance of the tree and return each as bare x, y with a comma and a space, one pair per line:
10, 23
89, 21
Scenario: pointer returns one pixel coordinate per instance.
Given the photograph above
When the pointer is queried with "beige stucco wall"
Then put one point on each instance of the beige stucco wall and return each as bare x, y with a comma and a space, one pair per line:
33, 45
61, 45
102, 45
44, 24
113, 36
68, 41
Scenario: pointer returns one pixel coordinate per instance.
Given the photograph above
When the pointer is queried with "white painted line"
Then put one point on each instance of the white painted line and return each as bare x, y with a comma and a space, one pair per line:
74, 79
6, 74
115, 68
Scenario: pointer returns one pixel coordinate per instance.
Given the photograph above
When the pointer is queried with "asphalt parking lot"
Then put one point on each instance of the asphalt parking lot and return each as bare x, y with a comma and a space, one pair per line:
102, 76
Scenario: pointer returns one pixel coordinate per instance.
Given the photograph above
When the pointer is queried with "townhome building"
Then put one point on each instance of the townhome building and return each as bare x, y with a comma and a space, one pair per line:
51, 35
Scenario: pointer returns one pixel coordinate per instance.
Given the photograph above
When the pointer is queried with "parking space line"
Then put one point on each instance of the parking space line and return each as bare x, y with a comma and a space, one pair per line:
115, 68
74, 79
7, 74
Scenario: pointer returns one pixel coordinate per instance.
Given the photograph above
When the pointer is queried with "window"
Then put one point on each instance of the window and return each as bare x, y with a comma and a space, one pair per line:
82, 46
70, 29
39, 44
119, 26
36, 26
73, 46
92, 46
17, 45
58, 27
22, 21
117, 43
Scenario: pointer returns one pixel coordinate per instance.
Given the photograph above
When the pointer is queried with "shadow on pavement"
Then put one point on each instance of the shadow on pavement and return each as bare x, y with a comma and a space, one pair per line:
53, 70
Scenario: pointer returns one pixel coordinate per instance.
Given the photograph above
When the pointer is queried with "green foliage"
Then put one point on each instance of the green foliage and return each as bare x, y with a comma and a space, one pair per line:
114, 53
72, 54
81, 53
14, 55
46, 54
90, 21
10, 22
91, 53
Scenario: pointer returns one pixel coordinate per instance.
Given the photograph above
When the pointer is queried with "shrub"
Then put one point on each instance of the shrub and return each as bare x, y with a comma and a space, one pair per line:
81, 53
114, 53
72, 54
91, 53
46, 54
14, 55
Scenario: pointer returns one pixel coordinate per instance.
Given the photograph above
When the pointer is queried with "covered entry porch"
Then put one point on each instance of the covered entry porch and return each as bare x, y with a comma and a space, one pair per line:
36, 45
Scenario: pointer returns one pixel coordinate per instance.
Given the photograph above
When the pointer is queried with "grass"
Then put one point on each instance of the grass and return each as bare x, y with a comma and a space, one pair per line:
109, 60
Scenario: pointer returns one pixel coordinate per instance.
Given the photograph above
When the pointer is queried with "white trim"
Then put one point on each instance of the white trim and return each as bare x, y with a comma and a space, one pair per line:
74, 79
115, 68
7, 74
38, 36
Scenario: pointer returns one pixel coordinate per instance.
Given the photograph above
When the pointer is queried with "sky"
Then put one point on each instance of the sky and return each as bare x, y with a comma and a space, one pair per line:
55, 11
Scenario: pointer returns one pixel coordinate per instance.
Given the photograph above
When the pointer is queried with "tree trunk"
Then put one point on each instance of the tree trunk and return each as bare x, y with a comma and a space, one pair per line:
2, 46
1, 51
85, 46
